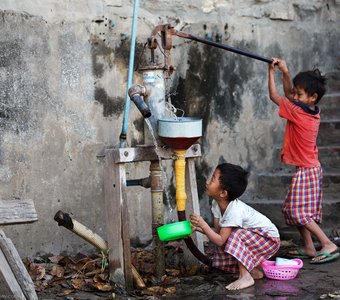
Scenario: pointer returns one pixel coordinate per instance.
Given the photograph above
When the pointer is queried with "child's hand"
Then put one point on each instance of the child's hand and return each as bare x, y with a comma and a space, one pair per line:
197, 221
280, 63
271, 66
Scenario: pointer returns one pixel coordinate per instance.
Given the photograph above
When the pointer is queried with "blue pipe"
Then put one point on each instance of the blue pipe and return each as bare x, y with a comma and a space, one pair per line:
130, 74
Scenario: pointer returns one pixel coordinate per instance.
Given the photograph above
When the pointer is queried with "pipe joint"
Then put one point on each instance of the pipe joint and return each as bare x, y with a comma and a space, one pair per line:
137, 90
135, 93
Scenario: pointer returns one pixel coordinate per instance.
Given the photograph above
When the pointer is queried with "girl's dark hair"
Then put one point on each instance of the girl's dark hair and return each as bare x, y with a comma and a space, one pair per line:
233, 179
312, 82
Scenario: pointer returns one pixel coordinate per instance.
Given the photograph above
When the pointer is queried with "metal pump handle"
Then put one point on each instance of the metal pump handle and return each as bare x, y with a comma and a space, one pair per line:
166, 31
222, 46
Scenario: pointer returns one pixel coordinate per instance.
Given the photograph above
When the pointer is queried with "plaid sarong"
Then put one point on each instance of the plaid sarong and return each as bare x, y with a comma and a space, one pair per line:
303, 200
248, 246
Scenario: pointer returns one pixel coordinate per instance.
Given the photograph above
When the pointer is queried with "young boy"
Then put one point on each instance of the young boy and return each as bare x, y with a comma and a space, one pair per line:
245, 237
302, 206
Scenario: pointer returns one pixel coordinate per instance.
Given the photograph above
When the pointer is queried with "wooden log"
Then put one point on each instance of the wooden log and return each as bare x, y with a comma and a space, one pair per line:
17, 278
93, 238
16, 211
79, 229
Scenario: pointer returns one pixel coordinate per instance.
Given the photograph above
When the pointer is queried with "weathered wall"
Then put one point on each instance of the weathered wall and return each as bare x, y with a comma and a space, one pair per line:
63, 73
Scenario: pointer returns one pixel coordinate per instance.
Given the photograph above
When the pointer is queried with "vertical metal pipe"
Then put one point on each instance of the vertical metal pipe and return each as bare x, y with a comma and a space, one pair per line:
130, 73
157, 217
153, 80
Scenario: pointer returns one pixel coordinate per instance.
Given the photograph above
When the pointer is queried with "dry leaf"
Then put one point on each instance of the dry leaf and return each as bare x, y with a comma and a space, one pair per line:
67, 292
154, 290
173, 272
193, 270
57, 271
170, 290
101, 277
170, 280
57, 281
93, 272
79, 284
36, 271
103, 287
55, 259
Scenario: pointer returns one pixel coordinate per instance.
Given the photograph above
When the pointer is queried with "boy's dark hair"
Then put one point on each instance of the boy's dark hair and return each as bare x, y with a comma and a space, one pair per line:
233, 179
312, 82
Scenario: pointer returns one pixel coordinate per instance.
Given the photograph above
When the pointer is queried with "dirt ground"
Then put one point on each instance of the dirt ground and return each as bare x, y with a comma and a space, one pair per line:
320, 281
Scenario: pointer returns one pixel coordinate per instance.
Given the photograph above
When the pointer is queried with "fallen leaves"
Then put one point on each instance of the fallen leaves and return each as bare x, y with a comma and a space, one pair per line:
90, 274
81, 272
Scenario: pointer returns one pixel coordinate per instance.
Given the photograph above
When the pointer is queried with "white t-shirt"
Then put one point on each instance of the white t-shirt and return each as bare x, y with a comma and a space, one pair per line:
239, 214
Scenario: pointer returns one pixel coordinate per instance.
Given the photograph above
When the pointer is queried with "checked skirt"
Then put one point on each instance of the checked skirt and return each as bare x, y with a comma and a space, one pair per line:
303, 200
248, 246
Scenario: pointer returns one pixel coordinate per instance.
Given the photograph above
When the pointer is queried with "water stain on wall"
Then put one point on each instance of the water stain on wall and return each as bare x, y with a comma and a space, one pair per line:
104, 58
212, 88
202, 173
111, 105
213, 85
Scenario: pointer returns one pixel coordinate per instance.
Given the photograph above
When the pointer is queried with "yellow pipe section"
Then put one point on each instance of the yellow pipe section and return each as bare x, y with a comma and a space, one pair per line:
181, 196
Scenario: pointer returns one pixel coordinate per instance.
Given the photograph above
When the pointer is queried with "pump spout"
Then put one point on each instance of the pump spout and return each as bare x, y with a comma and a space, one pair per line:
135, 93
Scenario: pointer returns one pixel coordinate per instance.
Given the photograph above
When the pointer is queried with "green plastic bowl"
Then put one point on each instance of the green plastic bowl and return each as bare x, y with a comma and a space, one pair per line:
174, 231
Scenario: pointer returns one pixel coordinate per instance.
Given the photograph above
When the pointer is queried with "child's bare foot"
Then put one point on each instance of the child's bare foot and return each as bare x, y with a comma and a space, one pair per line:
241, 283
256, 273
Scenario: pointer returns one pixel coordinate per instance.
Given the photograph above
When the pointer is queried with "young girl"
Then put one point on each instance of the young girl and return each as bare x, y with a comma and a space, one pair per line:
245, 237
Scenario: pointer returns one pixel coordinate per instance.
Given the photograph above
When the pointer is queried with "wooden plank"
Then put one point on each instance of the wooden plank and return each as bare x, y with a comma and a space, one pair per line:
9, 287
149, 153
18, 268
192, 198
113, 221
120, 175
117, 221
17, 211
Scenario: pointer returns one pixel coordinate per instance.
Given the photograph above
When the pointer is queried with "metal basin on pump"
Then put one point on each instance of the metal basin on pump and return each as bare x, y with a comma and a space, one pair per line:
179, 133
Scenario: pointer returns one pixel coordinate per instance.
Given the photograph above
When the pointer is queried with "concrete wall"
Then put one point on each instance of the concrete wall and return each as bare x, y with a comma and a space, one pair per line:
63, 74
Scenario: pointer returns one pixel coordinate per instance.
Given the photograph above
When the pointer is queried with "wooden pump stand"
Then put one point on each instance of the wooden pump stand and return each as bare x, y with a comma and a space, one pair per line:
117, 217
15, 282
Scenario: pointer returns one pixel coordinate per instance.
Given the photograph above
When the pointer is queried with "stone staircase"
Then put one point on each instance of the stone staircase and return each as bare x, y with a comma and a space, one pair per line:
272, 185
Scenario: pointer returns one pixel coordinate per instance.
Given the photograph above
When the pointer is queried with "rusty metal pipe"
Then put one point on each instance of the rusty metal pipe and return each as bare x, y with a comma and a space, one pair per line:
157, 217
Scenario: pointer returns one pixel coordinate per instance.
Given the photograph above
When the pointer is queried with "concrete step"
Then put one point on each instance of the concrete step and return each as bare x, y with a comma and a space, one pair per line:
275, 185
330, 113
329, 133
329, 157
272, 209
330, 100
333, 81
